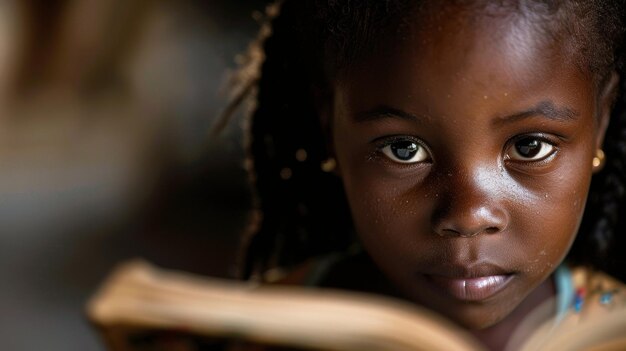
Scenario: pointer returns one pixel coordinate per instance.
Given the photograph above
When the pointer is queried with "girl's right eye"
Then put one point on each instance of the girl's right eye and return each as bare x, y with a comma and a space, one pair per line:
405, 151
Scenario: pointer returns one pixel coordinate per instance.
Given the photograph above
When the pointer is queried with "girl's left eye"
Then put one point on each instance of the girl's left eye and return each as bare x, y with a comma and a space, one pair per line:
405, 151
530, 149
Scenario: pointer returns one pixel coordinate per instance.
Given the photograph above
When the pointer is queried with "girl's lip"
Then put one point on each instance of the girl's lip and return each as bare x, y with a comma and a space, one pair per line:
471, 289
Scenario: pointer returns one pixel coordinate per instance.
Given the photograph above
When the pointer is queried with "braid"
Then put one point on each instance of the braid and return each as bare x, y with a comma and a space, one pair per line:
301, 210
600, 242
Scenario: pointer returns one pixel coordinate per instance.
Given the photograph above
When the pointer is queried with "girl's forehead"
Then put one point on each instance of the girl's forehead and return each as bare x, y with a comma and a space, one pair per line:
455, 31
454, 62
518, 31
462, 45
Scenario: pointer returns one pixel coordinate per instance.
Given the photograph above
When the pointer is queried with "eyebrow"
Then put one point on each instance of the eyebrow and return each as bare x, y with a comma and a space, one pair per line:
385, 111
545, 108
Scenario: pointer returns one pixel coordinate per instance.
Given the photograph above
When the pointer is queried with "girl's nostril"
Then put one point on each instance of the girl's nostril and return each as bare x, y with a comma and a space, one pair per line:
448, 232
492, 230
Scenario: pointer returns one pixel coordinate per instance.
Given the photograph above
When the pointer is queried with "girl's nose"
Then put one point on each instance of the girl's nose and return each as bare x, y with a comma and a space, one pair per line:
470, 209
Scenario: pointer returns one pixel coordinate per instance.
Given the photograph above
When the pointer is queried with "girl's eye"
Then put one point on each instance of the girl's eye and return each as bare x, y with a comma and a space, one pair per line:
405, 151
530, 149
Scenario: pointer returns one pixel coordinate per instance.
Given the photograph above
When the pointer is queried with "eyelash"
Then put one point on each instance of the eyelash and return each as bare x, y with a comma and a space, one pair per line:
382, 143
385, 142
540, 137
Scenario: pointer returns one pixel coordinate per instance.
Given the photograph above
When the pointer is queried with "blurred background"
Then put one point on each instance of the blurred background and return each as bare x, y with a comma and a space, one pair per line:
105, 154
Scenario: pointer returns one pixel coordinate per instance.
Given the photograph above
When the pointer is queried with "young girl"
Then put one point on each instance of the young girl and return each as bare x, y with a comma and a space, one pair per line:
444, 152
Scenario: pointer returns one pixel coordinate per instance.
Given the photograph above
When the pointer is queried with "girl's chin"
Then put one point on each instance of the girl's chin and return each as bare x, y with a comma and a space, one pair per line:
478, 320
475, 316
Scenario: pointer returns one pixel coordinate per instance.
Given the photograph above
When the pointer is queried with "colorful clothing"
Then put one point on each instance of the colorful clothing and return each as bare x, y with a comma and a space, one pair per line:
590, 306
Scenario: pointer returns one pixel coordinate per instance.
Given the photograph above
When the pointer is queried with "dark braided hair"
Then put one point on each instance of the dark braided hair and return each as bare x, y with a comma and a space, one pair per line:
301, 210
600, 242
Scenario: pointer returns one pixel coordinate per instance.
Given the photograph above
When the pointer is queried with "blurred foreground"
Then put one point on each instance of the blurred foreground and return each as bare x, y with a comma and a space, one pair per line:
105, 108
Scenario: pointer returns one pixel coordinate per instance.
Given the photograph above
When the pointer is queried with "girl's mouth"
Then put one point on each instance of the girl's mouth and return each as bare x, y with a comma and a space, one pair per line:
471, 289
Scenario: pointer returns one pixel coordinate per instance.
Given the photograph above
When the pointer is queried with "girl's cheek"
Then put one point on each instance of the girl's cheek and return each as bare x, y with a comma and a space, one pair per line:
386, 213
547, 213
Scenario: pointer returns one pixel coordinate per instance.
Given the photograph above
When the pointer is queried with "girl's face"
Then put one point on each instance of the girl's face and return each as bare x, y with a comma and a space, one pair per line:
466, 153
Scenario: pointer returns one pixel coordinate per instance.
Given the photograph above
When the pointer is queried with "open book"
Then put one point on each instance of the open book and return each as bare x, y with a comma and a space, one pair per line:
141, 308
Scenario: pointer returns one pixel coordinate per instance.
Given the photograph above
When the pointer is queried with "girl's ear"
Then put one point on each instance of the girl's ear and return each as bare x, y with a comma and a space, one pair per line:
606, 102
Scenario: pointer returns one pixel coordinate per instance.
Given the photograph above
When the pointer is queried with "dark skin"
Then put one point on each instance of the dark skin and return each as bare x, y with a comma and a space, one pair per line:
465, 148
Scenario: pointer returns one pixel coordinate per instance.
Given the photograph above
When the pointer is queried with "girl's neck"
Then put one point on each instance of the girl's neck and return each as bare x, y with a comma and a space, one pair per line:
498, 336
